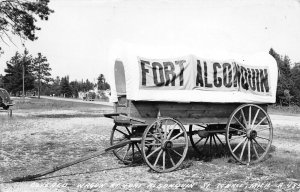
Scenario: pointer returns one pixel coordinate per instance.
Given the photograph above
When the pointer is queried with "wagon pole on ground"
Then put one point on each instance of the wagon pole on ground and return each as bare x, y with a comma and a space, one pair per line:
68, 164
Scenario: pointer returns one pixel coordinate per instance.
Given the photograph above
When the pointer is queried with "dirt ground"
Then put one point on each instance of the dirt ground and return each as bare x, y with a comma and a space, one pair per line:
32, 141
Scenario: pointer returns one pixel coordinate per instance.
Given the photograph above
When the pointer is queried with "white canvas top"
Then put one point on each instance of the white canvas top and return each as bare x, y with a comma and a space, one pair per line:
183, 75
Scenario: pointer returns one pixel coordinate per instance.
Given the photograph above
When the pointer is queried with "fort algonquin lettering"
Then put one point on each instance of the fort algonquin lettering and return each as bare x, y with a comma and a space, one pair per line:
190, 73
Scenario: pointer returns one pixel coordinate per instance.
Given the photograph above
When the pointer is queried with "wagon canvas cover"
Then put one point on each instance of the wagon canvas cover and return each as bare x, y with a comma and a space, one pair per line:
151, 76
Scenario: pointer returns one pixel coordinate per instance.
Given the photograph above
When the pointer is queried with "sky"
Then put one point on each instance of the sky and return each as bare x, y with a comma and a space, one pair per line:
78, 36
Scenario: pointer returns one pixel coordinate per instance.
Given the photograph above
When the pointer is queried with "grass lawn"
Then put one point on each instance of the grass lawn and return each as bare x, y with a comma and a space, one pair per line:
43, 133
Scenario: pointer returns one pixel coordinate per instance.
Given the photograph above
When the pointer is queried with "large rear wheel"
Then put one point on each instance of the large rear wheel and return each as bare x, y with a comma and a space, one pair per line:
249, 133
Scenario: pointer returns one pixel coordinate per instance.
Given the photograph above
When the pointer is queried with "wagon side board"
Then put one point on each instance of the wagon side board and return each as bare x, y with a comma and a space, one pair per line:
187, 113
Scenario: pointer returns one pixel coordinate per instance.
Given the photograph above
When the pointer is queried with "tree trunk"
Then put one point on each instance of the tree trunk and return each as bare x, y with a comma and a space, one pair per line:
39, 83
39, 88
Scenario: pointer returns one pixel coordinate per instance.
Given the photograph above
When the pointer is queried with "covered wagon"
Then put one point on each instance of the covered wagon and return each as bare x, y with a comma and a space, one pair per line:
161, 101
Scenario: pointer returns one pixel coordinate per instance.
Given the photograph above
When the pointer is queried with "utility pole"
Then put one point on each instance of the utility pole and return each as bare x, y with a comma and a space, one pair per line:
39, 81
23, 79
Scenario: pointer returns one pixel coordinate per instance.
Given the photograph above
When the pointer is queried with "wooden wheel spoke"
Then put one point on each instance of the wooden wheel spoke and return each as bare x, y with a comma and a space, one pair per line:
137, 146
132, 151
157, 158
120, 149
210, 143
176, 136
171, 159
254, 148
169, 135
128, 130
166, 129
129, 146
249, 123
254, 119
217, 147
220, 140
205, 141
153, 152
199, 140
176, 152
155, 137
239, 144
244, 145
239, 123
249, 152
244, 118
259, 145
260, 122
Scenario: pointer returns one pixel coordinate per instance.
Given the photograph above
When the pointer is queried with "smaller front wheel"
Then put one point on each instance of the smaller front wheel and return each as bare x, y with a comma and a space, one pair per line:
168, 140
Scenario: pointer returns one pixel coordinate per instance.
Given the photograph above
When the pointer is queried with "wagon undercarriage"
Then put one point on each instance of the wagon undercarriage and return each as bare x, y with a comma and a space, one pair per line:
163, 143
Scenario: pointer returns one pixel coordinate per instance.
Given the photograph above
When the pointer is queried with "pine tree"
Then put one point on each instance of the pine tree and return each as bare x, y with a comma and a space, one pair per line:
13, 79
102, 84
285, 82
65, 88
19, 17
41, 70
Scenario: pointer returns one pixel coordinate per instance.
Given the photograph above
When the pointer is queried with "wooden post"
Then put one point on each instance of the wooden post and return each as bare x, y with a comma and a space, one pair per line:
23, 75
9, 111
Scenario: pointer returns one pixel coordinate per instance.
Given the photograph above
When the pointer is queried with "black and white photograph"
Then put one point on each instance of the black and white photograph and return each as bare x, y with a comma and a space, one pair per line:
149, 95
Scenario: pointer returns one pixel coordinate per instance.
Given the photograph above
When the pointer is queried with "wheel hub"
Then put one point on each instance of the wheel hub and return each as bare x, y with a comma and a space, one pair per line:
203, 133
251, 134
167, 145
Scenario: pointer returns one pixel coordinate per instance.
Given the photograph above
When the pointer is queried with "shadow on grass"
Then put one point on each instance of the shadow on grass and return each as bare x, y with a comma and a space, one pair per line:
98, 114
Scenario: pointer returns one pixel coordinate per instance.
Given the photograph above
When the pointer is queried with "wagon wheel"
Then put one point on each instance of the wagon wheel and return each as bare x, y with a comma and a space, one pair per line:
207, 144
252, 133
169, 142
130, 153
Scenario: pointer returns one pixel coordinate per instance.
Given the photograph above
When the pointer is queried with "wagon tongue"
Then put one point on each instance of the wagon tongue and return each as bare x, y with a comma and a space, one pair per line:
64, 165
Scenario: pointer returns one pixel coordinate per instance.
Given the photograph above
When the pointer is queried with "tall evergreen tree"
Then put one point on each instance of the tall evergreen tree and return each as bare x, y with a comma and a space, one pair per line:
295, 73
75, 88
285, 82
102, 84
1, 81
13, 79
41, 70
65, 88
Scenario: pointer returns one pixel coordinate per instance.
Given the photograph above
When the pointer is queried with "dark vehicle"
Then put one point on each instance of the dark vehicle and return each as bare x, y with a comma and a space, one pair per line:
5, 100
